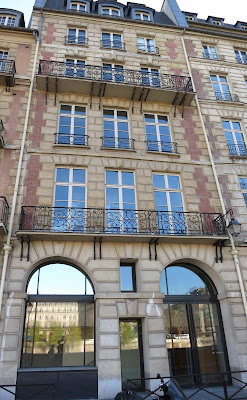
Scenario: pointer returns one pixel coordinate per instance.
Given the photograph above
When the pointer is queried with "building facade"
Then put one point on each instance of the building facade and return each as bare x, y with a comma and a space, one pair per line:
123, 149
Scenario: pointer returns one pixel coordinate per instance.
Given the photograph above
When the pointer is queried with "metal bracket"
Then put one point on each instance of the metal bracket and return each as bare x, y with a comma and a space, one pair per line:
94, 248
147, 95
140, 99
55, 100
28, 241
7, 84
175, 104
91, 95
155, 242
182, 103
219, 244
133, 99
46, 90
101, 93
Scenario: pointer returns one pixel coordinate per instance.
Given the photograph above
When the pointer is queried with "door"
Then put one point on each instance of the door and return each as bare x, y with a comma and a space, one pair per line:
194, 341
131, 351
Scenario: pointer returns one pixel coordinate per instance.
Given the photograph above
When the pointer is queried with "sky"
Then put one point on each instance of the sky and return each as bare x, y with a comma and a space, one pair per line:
215, 8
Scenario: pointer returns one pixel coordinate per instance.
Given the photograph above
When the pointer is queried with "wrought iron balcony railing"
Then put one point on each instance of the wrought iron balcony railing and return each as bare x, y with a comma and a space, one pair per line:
4, 210
216, 57
113, 44
117, 143
163, 147
114, 221
1, 126
241, 60
71, 140
73, 39
226, 96
148, 49
8, 67
237, 150
116, 75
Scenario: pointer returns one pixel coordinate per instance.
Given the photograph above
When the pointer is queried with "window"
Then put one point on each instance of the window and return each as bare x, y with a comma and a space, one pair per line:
77, 36
150, 76
234, 138
146, 45
70, 200
113, 72
158, 133
75, 68
114, 12
210, 52
189, 17
127, 278
243, 185
120, 202
77, 6
241, 56
169, 204
46, 343
112, 40
3, 56
116, 129
142, 16
72, 125
244, 27
7, 20
216, 22
221, 87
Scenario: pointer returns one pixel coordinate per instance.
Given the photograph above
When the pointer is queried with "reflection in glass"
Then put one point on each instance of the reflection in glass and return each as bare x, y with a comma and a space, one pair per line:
59, 334
130, 350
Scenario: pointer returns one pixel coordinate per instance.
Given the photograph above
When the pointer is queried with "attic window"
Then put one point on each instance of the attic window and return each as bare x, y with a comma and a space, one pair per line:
190, 17
142, 16
115, 12
244, 27
216, 22
76, 6
7, 20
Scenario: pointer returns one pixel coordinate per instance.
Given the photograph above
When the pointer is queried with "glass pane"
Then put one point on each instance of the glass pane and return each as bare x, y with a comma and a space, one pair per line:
173, 182
184, 281
58, 279
62, 175
128, 178
126, 278
159, 181
130, 352
58, 335
61, 193
111, 177
79, 175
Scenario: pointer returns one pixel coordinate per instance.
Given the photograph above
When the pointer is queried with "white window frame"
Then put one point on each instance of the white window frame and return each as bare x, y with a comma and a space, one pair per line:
211, 50
73, 116
110, 11
233, 131
111, 39
142, 14
115, 121
222, 92
3, 61
244, 190
71, 184
113, 71
241, 58
78, 4
145, 50
157, 125
75, 40
7, 18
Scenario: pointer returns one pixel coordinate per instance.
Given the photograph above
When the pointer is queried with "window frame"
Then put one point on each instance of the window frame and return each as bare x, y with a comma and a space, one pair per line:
3, 61
7, 18
114, 71
233, 132
157, 125
220, 83
73, 116
111, 41
110, 11
142, 15
169, 190
115, 120
209, 53
78, 4
146, 45
76, 39
241, 56
243, 189
133, 274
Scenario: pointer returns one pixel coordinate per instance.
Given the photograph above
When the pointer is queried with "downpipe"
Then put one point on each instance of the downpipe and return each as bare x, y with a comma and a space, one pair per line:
234, 252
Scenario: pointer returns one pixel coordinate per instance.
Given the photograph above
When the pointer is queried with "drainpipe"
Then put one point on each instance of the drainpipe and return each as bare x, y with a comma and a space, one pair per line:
7, 248
233, 251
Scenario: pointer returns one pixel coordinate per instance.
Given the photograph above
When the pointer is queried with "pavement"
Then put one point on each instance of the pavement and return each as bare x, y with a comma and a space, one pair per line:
217, 393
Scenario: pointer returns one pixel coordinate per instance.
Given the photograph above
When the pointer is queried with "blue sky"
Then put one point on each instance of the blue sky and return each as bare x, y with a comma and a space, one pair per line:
216, 8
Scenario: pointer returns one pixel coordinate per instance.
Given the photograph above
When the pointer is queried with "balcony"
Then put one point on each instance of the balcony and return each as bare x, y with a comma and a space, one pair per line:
162, 147
1, 134
73, 39
226, 96
121, 83
112, 44
116, 143
237, 150
215, 57
7, 73
4, 213
139, 225
71, 140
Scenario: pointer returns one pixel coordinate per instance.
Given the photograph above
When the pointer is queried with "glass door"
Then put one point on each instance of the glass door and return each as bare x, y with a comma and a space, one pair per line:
131, 351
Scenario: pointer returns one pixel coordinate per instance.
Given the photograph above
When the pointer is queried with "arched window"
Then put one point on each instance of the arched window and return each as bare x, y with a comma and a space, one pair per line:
54, 335
194, 330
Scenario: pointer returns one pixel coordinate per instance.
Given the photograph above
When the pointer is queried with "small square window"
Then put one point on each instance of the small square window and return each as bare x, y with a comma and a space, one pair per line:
127, 278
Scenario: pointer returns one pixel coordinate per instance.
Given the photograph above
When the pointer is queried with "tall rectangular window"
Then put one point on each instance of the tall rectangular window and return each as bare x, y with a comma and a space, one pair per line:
146, 45
72, 125
116, 129
158, 133
221, 87
169, 204
3, 58
120, 202
113, 72
70, 200
127, 278
150, 76
210, 52
112, 40
241, 56
234, 138
243, 185
77, 36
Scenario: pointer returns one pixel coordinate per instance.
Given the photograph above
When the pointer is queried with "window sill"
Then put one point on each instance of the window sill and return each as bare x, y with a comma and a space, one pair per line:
164, 153
239, 157
148, 53
74, 146
112, 48
229, 101
116, 149
75, 44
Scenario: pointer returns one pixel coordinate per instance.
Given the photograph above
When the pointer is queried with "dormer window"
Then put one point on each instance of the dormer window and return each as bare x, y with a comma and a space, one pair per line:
216, 22
114, 12
77, 6
189, 17
244, 27
142, 16
7, 20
